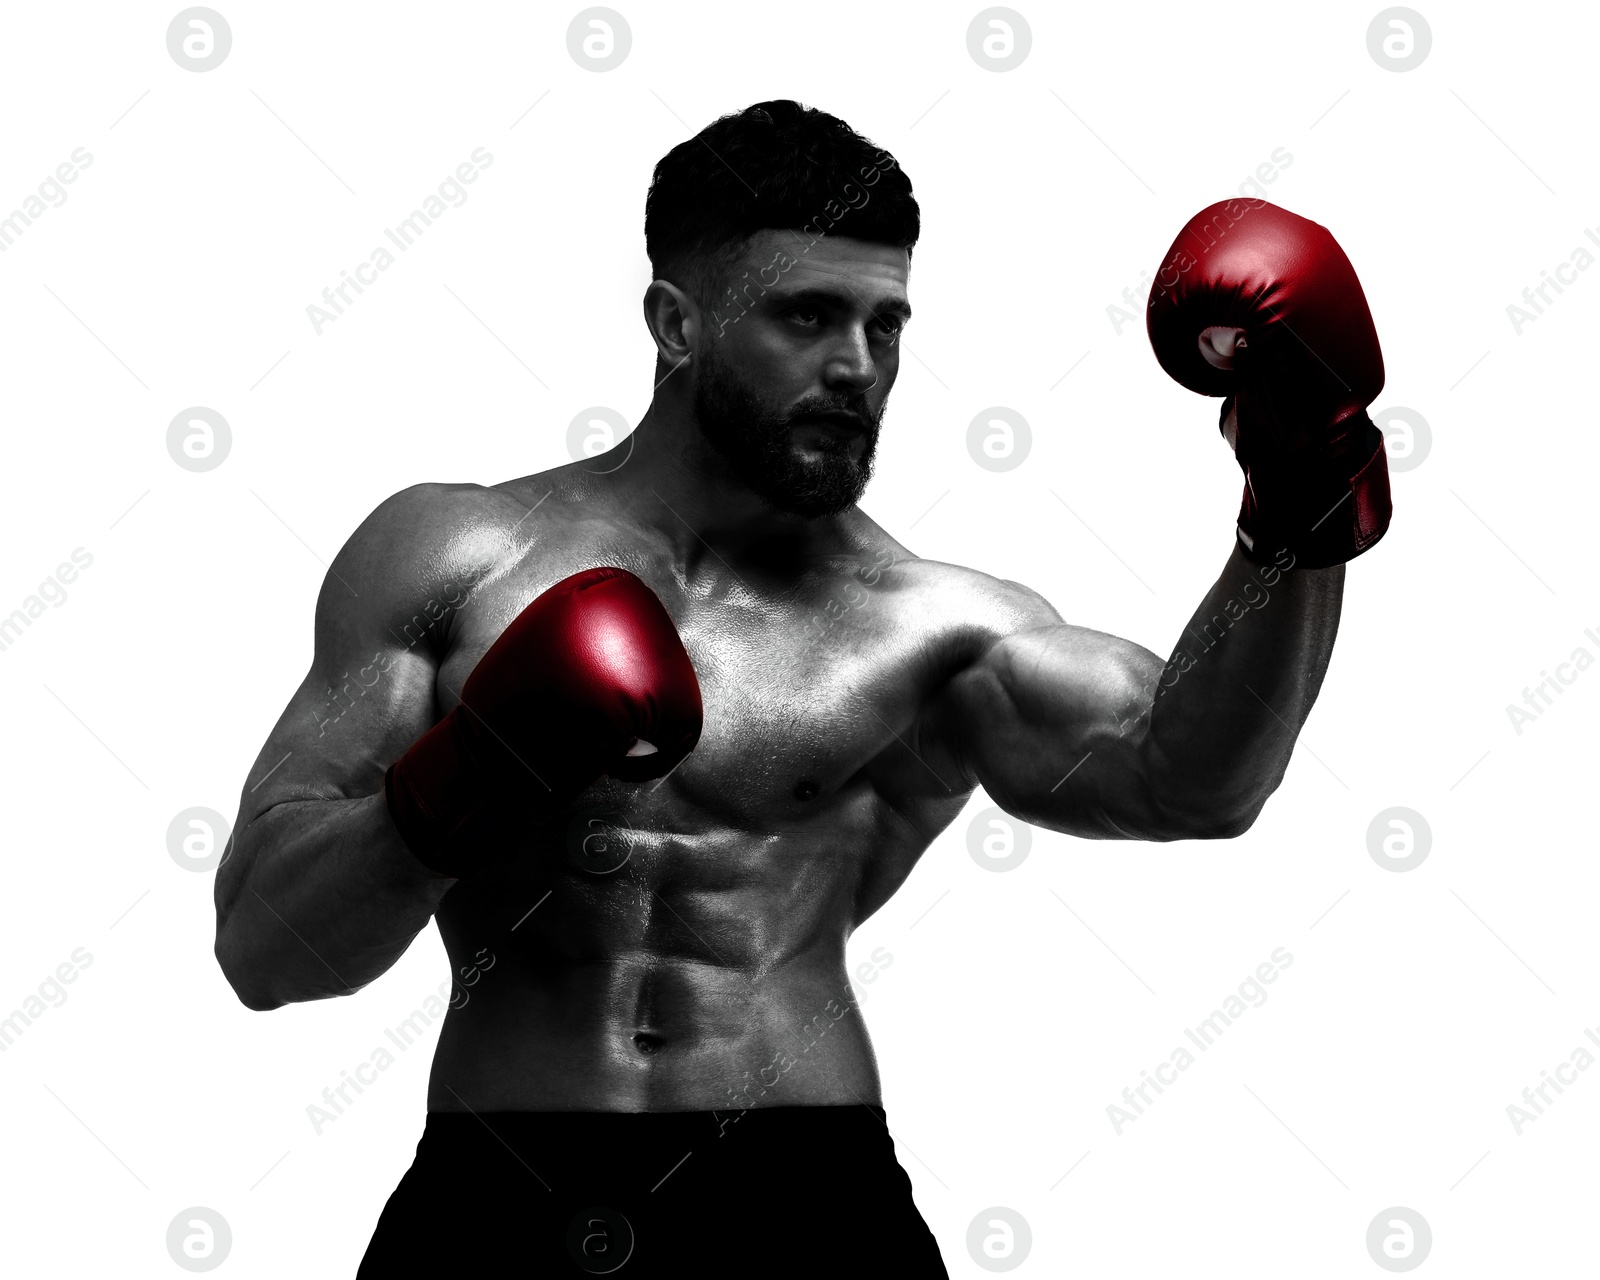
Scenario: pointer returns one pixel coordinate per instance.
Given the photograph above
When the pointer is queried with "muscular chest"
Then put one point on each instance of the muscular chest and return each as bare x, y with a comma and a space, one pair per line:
803, 688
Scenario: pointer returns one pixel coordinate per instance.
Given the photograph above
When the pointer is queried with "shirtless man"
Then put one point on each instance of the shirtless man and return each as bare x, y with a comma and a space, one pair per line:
651, 734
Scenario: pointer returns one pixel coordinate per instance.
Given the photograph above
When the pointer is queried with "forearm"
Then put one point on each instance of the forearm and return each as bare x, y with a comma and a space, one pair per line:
1239, 685
332, 899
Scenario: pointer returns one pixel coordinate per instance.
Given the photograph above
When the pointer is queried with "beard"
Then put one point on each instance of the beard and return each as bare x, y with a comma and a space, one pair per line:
754, 440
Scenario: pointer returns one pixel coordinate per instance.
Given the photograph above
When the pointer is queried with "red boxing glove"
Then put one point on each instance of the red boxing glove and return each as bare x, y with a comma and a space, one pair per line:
590, 679
1261, 306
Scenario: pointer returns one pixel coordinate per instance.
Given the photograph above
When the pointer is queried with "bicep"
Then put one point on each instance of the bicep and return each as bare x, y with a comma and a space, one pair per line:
1053, 721
383, 622
368, 695
357, 709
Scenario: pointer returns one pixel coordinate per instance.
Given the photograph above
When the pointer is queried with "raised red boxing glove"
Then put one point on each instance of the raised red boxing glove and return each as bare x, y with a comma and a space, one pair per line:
589, 679
1261, 306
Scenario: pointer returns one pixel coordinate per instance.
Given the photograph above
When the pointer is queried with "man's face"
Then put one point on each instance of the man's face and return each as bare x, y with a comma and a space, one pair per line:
796, 365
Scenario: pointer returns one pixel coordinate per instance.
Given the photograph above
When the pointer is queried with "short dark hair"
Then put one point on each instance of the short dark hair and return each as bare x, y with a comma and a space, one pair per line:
773, 165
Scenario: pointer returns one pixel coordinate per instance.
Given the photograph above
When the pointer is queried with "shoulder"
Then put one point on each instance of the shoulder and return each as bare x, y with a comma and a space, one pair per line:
426, 544
424, 514
421, 531
952, 591
957, 617
458, 525
951, 599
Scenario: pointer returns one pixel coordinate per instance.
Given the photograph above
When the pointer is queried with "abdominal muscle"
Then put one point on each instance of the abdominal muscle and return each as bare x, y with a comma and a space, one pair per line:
571, 1038
708, 973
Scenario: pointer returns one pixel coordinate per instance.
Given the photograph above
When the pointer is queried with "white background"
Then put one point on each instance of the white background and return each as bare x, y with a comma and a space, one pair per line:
1018, 1005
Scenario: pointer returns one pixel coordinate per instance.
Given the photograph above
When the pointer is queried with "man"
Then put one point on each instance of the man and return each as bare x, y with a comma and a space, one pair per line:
651, 734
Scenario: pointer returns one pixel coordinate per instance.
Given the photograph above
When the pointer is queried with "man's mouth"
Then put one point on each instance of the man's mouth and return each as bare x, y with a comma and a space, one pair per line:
838, 422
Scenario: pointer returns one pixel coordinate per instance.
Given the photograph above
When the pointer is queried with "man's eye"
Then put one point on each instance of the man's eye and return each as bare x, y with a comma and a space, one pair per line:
797, 312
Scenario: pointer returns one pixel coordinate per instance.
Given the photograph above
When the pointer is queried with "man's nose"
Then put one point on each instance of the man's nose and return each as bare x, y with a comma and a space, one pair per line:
850, 366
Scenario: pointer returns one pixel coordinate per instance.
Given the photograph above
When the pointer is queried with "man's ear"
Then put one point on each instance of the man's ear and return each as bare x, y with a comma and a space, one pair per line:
673, 320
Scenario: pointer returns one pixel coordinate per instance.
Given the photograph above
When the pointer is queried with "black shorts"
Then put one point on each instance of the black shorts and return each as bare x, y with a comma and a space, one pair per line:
771, 1191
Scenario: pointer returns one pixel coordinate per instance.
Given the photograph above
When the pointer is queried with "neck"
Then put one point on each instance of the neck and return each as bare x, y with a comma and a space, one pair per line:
668, 475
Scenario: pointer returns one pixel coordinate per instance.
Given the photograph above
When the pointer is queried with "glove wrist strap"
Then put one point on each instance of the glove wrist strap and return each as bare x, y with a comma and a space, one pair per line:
1323, 511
